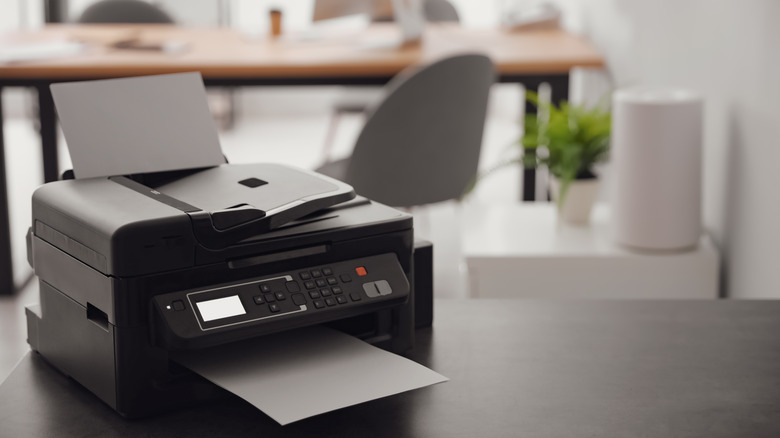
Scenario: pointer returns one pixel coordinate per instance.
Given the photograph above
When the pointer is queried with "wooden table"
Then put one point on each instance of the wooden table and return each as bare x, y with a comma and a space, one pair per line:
518, 368
226, 57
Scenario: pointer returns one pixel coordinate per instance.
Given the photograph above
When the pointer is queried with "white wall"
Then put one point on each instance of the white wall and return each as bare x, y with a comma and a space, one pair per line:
20, 14
728, 51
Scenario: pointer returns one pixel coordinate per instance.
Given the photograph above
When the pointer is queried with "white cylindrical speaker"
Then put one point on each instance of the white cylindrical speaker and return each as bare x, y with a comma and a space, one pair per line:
656, 156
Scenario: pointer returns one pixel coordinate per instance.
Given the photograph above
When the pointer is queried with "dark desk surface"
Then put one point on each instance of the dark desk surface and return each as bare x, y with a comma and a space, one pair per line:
518, 368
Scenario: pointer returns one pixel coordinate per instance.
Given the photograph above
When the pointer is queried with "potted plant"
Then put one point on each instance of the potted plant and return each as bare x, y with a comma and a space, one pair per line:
569, 140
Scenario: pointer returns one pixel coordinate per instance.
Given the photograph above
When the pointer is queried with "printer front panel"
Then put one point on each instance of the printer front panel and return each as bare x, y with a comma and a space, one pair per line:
299, 297
148, 381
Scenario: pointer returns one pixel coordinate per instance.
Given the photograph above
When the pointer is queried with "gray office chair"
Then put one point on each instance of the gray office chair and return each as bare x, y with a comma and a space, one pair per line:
358, 100
421, 144
439, 11
124, 11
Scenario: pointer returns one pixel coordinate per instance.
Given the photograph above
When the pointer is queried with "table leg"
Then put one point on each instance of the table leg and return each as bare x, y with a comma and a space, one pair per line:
55, 11
560, 88
560, 92
6, 263
529, 173
48, 119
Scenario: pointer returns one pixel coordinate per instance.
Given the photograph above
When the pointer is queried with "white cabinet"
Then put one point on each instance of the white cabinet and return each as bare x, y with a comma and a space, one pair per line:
520, 250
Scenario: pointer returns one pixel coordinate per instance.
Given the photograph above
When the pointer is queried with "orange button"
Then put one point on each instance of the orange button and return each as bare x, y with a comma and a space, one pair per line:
361, 271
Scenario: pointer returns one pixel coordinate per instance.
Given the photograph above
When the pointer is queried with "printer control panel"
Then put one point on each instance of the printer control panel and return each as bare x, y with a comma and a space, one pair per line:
280, 301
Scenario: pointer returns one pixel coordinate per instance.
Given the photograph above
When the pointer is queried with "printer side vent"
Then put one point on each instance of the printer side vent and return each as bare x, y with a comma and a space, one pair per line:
71, 246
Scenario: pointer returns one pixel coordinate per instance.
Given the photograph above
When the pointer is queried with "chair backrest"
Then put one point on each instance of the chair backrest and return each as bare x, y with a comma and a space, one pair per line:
440, 11
421, 144
124, 11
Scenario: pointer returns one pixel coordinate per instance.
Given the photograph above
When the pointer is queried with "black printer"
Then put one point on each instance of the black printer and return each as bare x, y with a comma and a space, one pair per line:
132, 268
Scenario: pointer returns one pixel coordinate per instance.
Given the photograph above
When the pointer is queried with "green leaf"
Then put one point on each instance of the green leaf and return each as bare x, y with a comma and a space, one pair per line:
568, 139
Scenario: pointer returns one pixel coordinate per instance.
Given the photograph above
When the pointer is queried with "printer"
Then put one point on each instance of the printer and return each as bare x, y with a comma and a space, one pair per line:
133, 268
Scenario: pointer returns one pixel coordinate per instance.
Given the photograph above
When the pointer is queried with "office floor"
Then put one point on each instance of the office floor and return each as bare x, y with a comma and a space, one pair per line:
273, 125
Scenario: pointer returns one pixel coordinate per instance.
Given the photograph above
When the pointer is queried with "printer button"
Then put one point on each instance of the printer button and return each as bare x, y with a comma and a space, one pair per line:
346, 278
265, 288
325, 292
309, 284
332, 281
341, 299
330, 302
355, 296
319, 304
274, 308
292, 286
383, 287
337, 290
280, 296
258, 299
298, 299
327, 271
321, 283
314, 294
371, 290
178, 305
305, 275
316, 273
269, 297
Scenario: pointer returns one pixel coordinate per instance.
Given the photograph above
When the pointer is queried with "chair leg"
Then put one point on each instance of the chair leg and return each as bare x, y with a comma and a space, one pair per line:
330, 135
230, 116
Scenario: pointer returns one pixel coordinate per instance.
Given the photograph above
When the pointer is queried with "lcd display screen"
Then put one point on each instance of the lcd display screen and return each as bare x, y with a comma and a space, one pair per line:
221, 308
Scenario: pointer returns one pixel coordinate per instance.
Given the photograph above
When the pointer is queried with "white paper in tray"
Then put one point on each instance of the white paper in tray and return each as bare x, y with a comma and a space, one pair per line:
137, 125
298, 374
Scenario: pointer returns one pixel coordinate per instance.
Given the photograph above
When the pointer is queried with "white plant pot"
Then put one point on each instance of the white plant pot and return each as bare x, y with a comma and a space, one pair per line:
579, 200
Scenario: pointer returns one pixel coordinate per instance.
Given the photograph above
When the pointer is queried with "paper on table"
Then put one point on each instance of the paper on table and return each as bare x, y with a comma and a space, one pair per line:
137, 125
298, 374
40, 50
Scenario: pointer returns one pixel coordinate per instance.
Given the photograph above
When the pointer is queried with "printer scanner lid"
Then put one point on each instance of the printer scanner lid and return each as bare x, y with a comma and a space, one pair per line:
231, 202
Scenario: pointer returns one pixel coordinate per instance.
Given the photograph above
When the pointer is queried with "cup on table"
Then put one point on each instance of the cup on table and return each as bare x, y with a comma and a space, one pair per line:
276, 22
